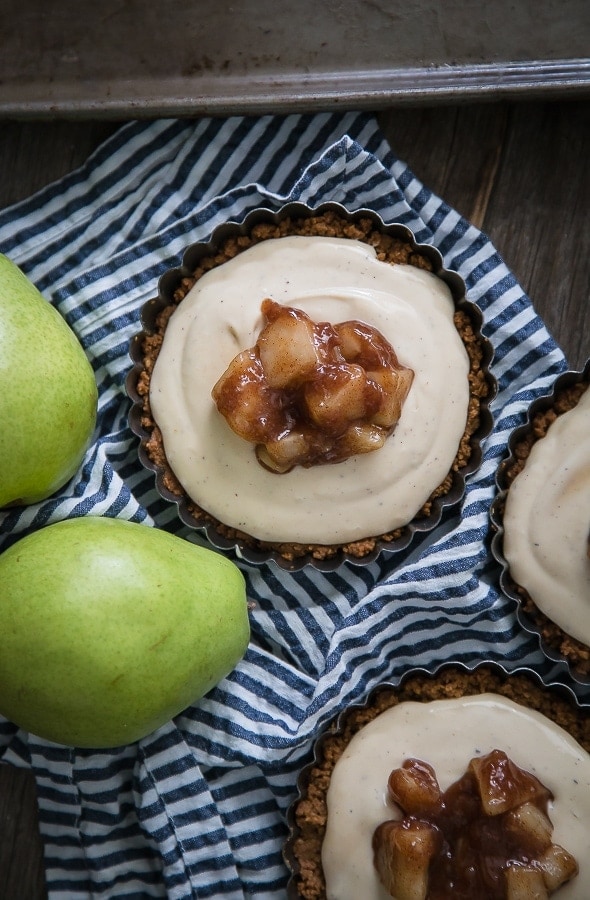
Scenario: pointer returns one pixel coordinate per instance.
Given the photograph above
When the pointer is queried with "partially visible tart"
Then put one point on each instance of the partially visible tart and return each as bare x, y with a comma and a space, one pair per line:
445, 720
542, 518
332, 267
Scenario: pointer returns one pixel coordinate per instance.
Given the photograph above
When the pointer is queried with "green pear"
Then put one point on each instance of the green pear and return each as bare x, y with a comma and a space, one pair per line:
48, 394
108, 629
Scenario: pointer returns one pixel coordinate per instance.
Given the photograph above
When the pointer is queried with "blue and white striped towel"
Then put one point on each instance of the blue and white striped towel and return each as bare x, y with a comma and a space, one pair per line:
197, 809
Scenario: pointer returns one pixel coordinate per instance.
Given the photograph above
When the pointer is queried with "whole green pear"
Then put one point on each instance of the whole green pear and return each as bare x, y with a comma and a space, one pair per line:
48, 393
110, 628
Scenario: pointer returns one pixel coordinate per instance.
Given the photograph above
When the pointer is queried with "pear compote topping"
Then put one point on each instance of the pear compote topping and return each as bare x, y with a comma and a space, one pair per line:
488, 835
312, 393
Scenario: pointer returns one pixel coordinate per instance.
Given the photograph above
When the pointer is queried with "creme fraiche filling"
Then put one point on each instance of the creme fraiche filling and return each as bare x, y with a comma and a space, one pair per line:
333, 280
546, 521
447, 734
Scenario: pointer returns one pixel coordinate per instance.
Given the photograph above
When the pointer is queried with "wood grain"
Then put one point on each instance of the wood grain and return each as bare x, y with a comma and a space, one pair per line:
455, 151
33, 154
22, 875
519, 171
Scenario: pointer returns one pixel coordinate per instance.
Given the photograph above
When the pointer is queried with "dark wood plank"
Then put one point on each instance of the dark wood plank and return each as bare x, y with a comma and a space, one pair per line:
520, 172
22, 873
454, 150
33, 154
540, 212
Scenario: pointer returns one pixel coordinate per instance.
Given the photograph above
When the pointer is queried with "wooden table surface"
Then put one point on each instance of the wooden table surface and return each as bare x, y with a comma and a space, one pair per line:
520, 171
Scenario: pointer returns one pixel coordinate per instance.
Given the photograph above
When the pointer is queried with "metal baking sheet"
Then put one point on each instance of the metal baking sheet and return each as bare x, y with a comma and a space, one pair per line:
138, 58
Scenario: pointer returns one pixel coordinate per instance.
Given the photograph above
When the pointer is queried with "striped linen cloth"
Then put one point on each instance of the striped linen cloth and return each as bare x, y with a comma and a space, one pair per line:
198, 808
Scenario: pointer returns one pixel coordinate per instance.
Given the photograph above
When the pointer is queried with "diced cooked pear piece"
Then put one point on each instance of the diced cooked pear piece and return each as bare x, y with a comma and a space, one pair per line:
244, 364
525, 883
338, 399
241, 396
286, 346
529, 823
362, 439
281, 455
350, 340
402, 854
414, 787
558, 866
502, 784
361, 343
395, 385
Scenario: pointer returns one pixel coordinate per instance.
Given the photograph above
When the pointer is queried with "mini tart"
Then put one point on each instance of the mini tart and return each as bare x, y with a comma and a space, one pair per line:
566, 393
393, 244
307, 816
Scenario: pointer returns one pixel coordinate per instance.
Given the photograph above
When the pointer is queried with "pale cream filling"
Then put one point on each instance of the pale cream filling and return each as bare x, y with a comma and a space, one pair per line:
332, 280
448, 734
547, 519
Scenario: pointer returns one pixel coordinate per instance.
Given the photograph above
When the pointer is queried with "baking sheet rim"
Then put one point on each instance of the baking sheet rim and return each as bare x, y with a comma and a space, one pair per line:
288, 92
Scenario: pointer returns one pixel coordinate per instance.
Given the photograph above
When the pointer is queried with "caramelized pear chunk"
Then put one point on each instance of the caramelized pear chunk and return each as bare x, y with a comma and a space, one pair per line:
503, 785
403, 852
414, 787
